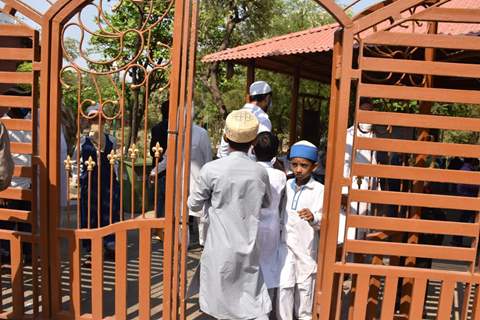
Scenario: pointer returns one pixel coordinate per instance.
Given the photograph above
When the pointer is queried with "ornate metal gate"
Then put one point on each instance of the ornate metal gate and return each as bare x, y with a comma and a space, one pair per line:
405, 53
92, 246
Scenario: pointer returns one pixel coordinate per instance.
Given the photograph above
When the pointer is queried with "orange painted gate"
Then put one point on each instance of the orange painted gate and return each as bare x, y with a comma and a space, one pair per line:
403, 262
58, 261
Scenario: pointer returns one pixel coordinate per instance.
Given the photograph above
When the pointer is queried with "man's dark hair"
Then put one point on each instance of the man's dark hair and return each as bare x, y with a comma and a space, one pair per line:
266, 146
259, 97
244, 147
164, 110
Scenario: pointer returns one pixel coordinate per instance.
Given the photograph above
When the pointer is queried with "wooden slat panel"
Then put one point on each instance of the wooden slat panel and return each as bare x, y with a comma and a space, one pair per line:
97, 278
410, 250
418, 147
17, 54
413, 225
16, 101
419, 93
75, 277
446, 300
418, 299
439, 41
17, 30
16, 77
121, 274
18, 124
449, 69
17, 278
415, 173
406, 272
457, 15
416, 199
418, 120
144, 273
22, 171
389, 297
16, 194
21, 147
17, 215
361, 297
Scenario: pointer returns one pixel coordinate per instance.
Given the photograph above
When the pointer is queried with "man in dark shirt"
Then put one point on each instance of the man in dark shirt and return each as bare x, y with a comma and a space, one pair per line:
159, 134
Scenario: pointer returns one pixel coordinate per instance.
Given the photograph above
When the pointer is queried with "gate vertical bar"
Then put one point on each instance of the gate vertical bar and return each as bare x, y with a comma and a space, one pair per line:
336, 145
170, 233
334, 92
188, 139
179, 168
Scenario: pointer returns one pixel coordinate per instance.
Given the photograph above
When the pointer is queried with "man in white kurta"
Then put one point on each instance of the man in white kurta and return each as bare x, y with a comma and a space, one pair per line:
269, 229
300, 238
201, 153
234, 188
260, 94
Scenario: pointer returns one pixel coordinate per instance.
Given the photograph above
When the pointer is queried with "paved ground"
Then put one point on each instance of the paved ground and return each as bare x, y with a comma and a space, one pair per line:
156, 289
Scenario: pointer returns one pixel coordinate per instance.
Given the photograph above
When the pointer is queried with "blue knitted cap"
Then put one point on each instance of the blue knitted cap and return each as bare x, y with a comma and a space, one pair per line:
304, 149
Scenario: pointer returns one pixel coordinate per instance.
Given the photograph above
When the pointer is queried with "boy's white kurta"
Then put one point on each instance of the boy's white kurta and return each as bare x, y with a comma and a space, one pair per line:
235, 189
269, 230
300, 236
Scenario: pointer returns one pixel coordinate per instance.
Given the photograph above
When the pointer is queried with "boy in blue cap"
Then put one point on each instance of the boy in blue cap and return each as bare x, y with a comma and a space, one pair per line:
301, 220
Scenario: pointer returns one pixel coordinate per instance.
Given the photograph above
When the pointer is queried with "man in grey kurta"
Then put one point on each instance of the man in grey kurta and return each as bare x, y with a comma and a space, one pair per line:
234, 189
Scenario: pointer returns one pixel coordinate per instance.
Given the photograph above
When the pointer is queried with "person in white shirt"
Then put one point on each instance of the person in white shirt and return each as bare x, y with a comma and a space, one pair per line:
301, 222
260, 94
201, 153
362, 183
265, 151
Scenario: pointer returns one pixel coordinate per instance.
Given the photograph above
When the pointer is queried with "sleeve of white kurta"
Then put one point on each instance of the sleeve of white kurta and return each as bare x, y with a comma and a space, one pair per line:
207, 147
317, 210
267, 197
265, 125
201, 192
223, 150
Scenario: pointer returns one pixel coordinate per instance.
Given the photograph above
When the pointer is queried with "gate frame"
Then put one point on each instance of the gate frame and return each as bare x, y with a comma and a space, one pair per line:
343, 74
180, 122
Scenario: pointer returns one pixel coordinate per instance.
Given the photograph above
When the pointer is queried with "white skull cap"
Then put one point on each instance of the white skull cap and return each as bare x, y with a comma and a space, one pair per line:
260, 87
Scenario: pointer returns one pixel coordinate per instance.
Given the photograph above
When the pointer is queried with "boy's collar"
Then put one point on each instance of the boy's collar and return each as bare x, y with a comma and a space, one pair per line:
308, 185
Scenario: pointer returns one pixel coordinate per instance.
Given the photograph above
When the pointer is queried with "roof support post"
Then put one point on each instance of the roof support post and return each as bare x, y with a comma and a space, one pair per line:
250, 76
294, 106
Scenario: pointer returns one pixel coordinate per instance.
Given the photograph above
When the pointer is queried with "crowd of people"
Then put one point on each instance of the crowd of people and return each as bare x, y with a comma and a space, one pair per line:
260, 250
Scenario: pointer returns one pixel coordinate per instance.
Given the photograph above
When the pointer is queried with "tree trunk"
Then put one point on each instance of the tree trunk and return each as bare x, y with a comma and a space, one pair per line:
210, 79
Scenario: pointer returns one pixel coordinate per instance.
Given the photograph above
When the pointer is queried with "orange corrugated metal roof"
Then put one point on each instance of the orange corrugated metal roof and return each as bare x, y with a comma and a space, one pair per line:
312, 40
320, 39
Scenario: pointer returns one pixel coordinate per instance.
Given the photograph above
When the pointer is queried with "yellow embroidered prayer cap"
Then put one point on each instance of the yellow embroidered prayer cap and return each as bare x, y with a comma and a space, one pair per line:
241, 126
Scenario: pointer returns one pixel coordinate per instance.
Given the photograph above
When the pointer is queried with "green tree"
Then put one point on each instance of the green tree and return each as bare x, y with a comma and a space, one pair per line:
143, 53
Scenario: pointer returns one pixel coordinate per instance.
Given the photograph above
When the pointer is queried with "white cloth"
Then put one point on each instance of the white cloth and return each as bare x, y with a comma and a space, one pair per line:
201, 153
296, 301
362, 156
231, 284
299, 256
269, 228
25, 160
63, 173
264, 125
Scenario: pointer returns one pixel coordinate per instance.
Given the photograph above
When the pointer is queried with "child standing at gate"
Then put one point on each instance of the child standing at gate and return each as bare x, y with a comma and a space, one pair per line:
301, 222
269, 226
